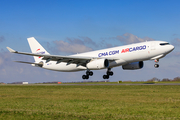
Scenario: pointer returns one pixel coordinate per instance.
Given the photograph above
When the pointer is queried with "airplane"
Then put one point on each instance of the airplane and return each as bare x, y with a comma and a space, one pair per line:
130, 57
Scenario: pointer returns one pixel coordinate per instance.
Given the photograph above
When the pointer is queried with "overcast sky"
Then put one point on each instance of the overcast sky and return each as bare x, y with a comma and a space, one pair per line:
67, 27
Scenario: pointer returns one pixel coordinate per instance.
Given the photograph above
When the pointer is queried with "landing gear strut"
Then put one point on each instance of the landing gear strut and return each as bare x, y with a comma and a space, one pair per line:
156, 65
88, 73
108, 73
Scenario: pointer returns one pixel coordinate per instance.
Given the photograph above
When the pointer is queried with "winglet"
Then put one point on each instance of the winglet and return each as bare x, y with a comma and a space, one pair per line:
11, 50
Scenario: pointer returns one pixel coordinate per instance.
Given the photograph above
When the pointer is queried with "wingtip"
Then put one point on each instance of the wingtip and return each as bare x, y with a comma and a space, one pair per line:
11, 50
30, 38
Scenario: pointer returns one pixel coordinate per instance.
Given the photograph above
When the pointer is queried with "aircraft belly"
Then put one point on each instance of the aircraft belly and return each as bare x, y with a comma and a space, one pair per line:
135, 56
117, 63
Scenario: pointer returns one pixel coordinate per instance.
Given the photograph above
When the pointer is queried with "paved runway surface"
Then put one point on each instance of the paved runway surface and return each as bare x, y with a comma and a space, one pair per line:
106, 84
126, 84
90, 84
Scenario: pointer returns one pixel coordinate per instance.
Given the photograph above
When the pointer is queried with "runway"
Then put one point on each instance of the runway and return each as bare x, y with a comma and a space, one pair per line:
124, 84
106, 84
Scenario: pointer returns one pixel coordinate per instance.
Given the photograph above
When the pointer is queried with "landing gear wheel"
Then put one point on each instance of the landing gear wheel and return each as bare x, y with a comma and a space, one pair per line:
105, 76
156, 65
89, 73
85, 77
109, 73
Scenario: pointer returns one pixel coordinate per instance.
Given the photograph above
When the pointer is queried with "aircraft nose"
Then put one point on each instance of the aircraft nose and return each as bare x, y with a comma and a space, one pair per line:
171, 48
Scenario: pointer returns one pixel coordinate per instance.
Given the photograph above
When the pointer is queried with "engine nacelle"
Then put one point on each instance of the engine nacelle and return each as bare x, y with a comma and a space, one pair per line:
40, 64
133, 66
97, 64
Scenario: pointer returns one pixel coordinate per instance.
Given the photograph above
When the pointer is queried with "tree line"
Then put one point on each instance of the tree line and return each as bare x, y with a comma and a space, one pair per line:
164, 79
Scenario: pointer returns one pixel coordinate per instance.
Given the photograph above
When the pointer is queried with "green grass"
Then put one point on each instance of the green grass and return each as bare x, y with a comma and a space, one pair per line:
19, 102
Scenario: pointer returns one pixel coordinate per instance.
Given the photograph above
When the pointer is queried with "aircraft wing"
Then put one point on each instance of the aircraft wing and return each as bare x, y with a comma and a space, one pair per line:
79, 60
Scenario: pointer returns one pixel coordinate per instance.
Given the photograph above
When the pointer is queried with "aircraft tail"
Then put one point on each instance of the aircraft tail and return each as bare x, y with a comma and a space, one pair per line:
36, 48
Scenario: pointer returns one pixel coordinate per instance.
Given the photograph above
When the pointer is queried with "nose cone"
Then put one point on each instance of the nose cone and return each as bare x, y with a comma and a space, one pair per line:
172, 47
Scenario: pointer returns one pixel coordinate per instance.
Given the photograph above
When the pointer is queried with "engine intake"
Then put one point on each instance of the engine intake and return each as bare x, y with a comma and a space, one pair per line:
133, 66
97, 64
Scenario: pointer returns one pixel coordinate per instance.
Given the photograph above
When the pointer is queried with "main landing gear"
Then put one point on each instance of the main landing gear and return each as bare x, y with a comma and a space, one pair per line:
88, 73
108, 73
156, 65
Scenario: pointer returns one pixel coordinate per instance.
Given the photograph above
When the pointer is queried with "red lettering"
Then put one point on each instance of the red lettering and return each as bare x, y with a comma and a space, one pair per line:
125, 50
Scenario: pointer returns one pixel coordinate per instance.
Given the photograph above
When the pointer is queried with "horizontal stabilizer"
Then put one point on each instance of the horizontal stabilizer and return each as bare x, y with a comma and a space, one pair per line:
26, 62
40, 64
11, 50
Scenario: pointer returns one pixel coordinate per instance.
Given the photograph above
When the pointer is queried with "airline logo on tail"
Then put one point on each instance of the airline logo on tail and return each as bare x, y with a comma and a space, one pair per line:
37, 49
43, 52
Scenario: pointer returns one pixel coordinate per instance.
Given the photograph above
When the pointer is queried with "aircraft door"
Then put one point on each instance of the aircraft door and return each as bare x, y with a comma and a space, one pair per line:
153, 46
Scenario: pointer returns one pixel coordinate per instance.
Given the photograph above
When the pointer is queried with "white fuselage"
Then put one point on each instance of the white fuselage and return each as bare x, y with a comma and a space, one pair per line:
123, 55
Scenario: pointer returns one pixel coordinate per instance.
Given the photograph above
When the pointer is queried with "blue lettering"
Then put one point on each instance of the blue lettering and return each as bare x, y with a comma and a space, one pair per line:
110, 52
137, 48
117, 51
130, 50
140, 48
41, 53
144, 47
102, 54
134, 49
113, 52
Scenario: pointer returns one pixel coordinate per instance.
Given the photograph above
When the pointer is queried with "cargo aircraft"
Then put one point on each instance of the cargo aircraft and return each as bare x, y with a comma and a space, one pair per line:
130, 57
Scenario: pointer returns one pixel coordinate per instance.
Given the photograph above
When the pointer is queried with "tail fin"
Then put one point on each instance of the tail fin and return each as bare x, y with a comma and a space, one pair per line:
36, 48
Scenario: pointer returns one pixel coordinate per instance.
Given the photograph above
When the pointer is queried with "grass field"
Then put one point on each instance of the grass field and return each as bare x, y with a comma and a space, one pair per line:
21, 102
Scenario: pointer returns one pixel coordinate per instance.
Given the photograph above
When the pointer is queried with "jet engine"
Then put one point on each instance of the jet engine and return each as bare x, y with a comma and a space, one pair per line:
40, 64
133, 66
97, 64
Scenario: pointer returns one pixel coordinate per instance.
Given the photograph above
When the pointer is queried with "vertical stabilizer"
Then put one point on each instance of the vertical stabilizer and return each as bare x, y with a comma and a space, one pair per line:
36, 48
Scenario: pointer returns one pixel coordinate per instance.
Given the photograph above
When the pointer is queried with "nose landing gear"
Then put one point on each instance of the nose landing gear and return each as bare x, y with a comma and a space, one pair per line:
156, 65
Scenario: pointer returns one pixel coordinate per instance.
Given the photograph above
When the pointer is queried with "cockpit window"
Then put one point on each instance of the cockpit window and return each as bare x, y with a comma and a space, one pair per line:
164, 43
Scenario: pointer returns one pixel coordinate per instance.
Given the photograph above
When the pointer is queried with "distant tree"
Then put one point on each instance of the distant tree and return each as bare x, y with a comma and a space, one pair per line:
154, 79
127, 81
176, 79
165, 80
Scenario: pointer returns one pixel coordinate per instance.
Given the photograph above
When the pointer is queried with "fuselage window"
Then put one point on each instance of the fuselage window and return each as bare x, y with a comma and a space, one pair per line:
164, 43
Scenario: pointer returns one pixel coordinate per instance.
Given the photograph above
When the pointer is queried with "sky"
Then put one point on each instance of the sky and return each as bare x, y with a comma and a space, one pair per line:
66, 27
